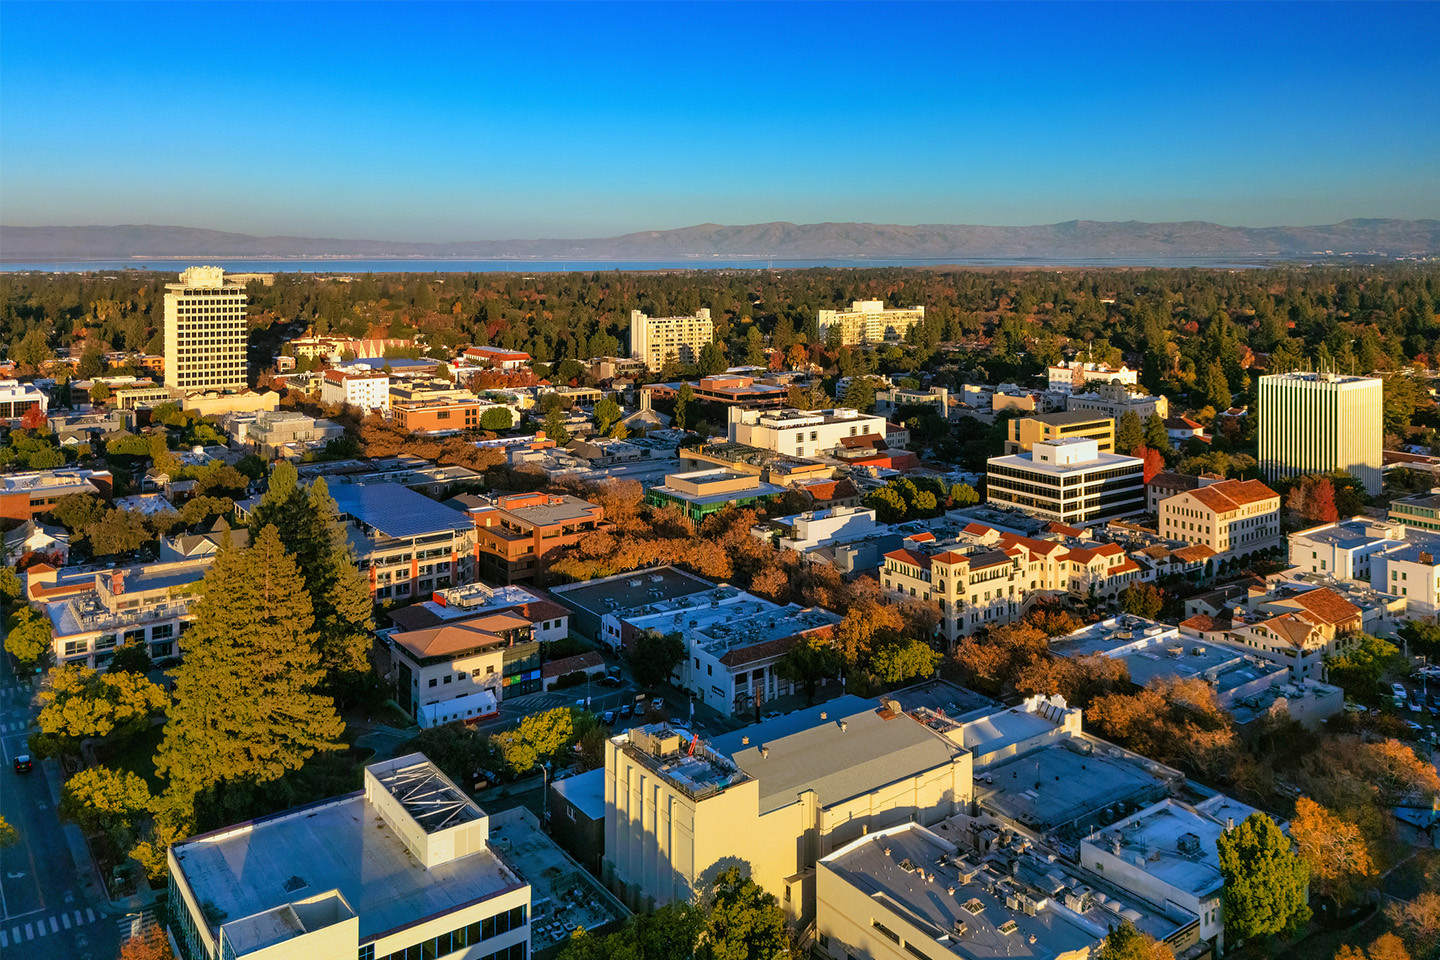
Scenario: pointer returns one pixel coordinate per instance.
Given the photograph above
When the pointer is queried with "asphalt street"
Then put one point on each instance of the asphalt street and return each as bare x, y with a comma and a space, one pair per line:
47, 913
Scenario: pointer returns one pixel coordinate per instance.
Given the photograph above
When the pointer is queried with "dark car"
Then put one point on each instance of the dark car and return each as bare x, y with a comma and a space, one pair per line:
626, 710
608, 718
23, 763
611, 680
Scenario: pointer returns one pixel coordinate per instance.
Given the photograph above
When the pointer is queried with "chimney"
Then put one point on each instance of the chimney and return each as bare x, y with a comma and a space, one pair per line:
644, 399
117, 582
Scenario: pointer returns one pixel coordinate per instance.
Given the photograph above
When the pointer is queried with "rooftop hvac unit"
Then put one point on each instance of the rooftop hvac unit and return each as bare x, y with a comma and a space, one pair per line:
636, 583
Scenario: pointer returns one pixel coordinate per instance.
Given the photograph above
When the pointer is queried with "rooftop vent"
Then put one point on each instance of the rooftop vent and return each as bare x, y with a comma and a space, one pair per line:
295, 883
764, 752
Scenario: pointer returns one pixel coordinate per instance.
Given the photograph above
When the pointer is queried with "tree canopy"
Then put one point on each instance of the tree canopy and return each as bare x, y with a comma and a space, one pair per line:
1265, 881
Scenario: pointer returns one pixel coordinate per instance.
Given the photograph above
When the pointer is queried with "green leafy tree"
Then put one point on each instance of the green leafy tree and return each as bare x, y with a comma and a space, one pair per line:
28, 637
131, 658
745, 923
246, 704
903, 659
11, 588
1142, 600
542, 737
963, 495
888, 504
119, 531
497, 418
32, 350
1265, 880
1359, 668
1127, 943
100, 392
655, 656
459, 751
607, 414
82, 703
807, 663
92, 362
1129, 432
99, 798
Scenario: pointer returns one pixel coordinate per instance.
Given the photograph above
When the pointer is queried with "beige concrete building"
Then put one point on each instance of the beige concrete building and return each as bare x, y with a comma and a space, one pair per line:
1114, 400
700, 493
867, 321
1235, 518
1322, 422
657, 340
772, 798
403, 868
205, 332
1025, 432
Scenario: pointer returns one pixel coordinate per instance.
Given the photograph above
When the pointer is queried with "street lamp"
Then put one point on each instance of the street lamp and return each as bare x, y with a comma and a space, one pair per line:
545, 793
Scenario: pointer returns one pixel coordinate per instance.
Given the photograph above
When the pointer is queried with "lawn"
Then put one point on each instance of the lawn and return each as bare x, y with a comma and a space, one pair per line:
137, 755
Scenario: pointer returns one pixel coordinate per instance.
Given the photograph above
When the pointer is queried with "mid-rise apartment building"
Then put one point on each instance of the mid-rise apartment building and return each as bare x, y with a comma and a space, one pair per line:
92, 614
358, 386
519, 535
658, 340
402, 869
1025, 432
1069, 481
440, 415
804, 433
1235, 518
867, 321
205, 332
1320, 423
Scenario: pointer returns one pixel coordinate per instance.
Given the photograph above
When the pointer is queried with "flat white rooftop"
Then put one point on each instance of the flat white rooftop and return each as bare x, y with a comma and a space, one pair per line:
341, 844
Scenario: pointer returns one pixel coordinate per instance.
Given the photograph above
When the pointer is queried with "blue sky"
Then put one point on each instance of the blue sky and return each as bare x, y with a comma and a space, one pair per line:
460, 121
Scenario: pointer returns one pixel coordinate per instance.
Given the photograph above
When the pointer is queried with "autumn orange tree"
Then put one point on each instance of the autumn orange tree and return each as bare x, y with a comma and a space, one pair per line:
1175, 721
1334, 849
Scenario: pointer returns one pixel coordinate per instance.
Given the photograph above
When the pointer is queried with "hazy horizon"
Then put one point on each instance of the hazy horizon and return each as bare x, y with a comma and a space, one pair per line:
564, 121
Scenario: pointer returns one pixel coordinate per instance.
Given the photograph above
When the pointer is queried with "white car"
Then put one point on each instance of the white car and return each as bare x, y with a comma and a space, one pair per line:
1399, 690
657, 703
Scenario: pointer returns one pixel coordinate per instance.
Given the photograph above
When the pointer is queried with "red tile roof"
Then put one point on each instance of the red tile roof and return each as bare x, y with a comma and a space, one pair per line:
1228, 495
906, 556
1328, 606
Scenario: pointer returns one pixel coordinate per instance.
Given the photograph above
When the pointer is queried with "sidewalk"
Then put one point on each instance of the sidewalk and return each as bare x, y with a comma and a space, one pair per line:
91, 882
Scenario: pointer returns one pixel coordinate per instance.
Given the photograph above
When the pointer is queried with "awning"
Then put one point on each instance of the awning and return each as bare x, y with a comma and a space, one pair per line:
472, 706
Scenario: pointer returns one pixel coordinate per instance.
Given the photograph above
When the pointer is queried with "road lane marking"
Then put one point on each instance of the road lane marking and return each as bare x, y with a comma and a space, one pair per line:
89, 914
54, 927
40, 926
65, 919
29, 932
78, 919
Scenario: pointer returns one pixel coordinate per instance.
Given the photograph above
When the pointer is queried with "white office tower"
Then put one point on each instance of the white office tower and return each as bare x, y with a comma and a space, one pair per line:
205, 333
1321, 422
658, 339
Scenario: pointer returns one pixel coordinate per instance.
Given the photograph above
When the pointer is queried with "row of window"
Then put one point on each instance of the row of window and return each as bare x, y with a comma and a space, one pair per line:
459, 939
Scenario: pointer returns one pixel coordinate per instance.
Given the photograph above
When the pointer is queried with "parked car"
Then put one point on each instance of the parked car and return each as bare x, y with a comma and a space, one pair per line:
626, 710
772, 715
657, 703
1414, 706
23, 763
1399, 690
611, 680
608, 717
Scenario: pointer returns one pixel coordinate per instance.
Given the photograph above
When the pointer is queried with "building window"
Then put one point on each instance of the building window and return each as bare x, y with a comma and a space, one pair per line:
433, 681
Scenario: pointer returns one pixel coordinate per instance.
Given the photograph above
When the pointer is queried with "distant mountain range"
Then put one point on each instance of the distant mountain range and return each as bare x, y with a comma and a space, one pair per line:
1075, 239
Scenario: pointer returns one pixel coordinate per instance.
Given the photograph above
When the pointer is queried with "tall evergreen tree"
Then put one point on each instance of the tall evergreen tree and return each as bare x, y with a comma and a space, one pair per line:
1129, 433
246, 707
1265, 880
314, 535
1156, 438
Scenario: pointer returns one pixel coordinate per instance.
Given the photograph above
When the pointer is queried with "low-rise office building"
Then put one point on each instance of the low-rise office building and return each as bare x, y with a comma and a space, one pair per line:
700, 493
804, 433
517, 536
1421, 511
889, 403
591, 601
1070, 481
1115, 400
1238, 519
460, 671
287, 433
1025, 432
17, 399
497, 357
441, 415
27, 495
776, 797
401, 869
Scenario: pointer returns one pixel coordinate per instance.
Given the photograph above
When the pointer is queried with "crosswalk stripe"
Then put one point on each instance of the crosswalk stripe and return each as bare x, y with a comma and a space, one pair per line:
89, 914
54, 927
65, 919
29, 933
78, 919
40, 927
4, 939
15, 933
